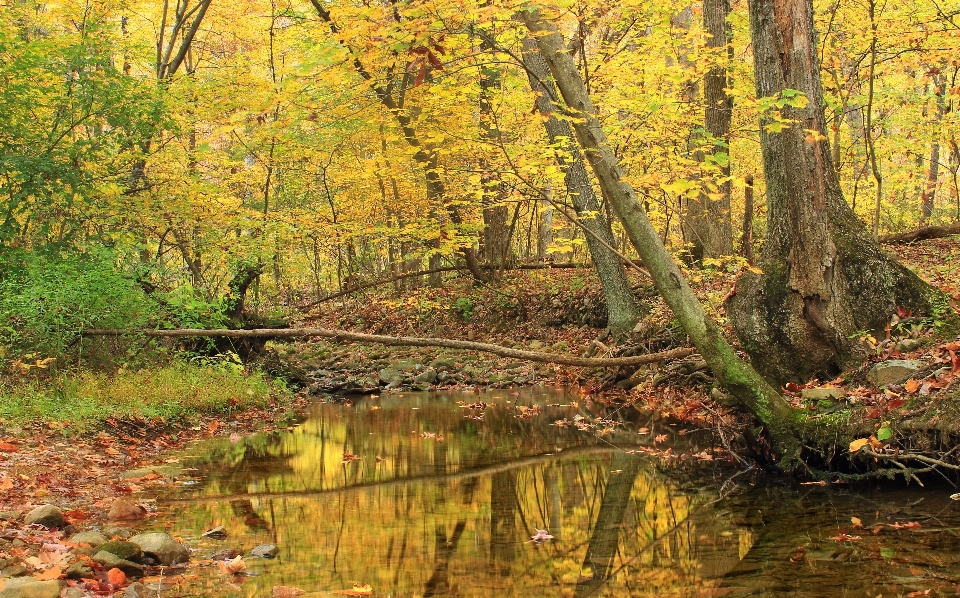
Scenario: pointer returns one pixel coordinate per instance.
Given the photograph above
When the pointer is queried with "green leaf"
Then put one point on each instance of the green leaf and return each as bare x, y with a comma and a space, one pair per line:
884, 433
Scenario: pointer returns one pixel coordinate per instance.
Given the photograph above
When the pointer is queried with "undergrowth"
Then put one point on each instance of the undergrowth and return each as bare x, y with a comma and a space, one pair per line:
80, 401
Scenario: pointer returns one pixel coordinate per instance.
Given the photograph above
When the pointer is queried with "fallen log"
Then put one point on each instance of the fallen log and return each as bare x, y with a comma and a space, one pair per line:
922, 234
409, 341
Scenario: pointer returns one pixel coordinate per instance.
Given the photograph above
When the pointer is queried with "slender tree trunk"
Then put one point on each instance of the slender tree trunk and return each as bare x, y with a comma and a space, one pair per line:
496, 231
746, 240
708, 223
824, 276
933, 171
622, 308
746, 386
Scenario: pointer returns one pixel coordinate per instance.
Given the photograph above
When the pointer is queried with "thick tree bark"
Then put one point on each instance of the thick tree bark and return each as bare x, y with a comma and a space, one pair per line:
622, 308
824, 276
708, 224
750, 390
496, 229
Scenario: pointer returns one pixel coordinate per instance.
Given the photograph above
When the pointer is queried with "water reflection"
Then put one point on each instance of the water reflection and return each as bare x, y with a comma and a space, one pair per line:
370, 494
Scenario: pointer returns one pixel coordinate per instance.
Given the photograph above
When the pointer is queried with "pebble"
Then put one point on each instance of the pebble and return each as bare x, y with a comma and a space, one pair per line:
47, 516
266, 551
162, 548
122, 510
29, 587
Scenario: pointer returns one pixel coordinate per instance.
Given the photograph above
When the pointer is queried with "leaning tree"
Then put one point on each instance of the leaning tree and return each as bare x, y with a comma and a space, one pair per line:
825, 278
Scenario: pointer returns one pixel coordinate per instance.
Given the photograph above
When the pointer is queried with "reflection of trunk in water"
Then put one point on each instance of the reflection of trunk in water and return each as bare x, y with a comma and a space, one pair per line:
439, 582
503, 510
606, 531
244, 508
553, 501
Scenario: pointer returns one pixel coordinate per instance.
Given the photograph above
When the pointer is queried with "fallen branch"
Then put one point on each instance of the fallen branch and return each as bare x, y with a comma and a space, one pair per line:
410, 341
398, 277
921, 234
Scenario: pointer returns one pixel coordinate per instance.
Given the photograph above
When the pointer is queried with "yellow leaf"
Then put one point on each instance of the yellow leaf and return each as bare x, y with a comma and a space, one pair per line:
856, 445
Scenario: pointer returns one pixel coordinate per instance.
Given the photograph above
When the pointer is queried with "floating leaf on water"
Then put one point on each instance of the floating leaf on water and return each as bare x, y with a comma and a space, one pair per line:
541, 536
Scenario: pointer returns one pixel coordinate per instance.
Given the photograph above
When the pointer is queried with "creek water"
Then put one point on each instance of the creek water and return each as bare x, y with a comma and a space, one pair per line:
440, 494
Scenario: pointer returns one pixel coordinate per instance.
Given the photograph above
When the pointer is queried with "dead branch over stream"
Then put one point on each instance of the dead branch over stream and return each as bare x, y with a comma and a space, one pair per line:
410, 341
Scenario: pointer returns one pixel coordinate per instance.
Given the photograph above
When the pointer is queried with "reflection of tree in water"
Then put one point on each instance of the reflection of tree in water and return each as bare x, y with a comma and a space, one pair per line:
503, 511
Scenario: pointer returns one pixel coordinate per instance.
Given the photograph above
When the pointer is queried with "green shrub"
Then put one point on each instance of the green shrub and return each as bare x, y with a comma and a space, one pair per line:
46, 299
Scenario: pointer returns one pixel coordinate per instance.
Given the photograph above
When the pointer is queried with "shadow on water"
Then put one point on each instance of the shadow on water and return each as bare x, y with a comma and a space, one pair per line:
435, 495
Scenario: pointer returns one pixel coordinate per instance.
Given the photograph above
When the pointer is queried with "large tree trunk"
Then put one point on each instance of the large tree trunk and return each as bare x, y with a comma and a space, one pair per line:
622, 308
824, 277
747, 387
496, 229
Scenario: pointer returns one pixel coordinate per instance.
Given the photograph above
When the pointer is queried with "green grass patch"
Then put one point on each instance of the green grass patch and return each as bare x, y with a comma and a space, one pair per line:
81, 400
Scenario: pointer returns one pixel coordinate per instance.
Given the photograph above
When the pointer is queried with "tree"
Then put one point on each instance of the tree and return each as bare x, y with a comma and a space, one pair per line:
622, 309
824, 277
750, 390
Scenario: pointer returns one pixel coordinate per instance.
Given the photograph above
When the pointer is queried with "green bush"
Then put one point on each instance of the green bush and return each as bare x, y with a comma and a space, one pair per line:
46, 299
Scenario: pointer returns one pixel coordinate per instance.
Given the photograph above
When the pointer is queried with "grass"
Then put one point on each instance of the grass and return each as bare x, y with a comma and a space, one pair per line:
175, 392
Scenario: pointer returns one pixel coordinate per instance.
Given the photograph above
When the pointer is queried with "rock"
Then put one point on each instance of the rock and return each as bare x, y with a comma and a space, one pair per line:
443, 365
892, 371
114, 531
125, 550
10, 515
47, 516
13, 571
91, 537
428, 376
79, 571
138, 590
227, 554
122, 510
29, 587
217, 533
907, 345
73, 593
391, 376
162, 548
266, 551
821, 394
112, 561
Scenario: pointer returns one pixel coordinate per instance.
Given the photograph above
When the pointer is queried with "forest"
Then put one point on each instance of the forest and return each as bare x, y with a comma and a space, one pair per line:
169, 168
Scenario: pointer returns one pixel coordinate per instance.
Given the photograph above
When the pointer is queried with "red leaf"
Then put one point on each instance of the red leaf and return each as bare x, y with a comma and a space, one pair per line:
6, 447
954, 362
874, 414
896, 403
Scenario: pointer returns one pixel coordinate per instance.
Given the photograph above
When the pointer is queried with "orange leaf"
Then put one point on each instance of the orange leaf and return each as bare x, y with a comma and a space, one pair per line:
231, 567
6, 447
912, 386
116, 577
51, 573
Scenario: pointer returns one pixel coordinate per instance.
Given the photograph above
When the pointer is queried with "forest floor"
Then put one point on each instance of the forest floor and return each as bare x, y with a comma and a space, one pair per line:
915, 410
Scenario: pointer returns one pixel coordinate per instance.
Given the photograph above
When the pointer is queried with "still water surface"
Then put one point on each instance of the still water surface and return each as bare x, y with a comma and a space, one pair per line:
417, 495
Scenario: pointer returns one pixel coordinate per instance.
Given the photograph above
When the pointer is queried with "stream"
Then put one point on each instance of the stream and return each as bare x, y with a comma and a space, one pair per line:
443, 494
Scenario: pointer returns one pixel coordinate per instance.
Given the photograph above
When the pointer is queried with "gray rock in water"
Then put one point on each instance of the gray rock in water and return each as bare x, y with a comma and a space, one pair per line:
124, 510
79, 571
162, 548
138, 590
45, 515
428, 376
91, 537
115, 531
73, 593
266, 551
125, 550
112, 561
892, 371
227, 554
216, 533
29, 587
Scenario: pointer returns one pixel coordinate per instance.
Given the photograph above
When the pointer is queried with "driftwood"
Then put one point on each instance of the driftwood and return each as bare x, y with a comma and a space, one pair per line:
410, 341
922, 234
383, 281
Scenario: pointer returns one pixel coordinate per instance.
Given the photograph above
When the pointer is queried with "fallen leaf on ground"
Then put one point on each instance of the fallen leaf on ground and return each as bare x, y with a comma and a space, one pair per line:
856, 522
845, 538
858, 444
6, 447
116, 577
908, 525
51, 573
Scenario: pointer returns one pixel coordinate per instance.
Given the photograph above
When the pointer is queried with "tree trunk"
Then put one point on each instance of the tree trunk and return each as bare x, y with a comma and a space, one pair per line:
622, 308
746, 386
933, 172
824, 276
708, 226
496, 229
